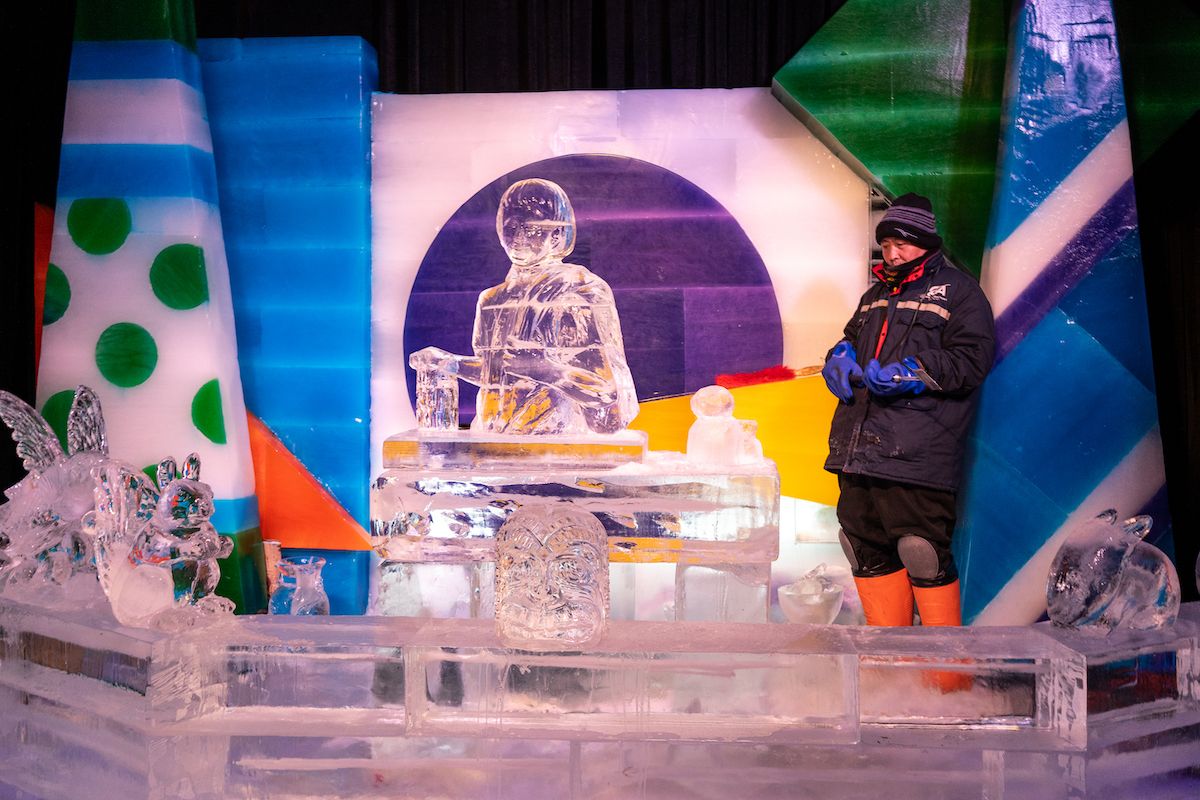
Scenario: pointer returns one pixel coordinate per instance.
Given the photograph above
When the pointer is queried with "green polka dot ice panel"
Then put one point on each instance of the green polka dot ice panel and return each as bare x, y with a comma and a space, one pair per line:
149, 325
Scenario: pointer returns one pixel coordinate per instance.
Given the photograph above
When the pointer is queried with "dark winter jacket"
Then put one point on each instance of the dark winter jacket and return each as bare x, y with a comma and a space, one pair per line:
941, 317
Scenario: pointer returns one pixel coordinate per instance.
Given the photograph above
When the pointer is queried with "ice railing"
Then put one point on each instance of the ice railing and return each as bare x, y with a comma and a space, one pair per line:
1034, 688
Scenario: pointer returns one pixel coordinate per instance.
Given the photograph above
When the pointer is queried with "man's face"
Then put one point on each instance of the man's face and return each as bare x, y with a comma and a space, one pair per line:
899, 251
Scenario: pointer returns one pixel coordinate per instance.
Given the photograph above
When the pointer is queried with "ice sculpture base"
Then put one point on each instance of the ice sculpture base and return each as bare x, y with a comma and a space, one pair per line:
354, 707
661, 509
433, 449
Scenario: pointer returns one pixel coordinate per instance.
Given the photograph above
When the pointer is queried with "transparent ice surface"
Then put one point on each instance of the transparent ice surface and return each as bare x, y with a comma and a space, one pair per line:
441, 449
42, 541
813, 598
716, 437
549, 358
551, 579
284, 707
1105, 577
722, 592
445, 591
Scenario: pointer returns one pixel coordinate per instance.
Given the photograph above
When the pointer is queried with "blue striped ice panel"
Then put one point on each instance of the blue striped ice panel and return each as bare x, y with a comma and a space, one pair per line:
1072, 394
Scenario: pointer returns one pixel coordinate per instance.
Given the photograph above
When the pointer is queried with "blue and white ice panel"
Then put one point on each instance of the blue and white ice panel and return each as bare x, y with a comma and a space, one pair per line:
1068, 422
136, 135
291, 134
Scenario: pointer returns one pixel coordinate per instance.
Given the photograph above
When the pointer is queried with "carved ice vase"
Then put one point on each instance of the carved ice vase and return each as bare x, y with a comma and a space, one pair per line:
300, 592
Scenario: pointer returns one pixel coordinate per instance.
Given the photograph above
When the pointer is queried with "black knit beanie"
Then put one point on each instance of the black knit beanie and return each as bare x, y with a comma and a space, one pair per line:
910, 218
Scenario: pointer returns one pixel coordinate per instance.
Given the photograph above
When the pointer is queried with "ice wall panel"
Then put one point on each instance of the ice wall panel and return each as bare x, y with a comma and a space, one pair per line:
422, 177
914, 113
1063, 271
637, 225
291, 134
1113, 290
1086, 444
138, 240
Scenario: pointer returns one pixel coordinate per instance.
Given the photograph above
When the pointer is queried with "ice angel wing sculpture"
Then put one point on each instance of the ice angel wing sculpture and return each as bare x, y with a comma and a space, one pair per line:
37, 446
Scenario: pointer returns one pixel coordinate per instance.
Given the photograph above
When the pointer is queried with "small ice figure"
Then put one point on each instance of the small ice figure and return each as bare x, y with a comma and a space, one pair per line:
1104, 577
41, 533
813, 598
551, 579
549, 357
156, 551
716, 437
300, 592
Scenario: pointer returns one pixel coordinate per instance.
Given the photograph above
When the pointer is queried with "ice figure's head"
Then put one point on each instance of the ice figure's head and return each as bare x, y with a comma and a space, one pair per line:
712, 402
185, 503
551, 578
535, 222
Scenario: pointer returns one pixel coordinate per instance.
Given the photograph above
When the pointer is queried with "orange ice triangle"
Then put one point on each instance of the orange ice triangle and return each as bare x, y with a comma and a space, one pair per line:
293, 507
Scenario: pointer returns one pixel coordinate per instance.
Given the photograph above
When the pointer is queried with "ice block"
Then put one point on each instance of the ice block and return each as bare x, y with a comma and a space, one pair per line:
663, 509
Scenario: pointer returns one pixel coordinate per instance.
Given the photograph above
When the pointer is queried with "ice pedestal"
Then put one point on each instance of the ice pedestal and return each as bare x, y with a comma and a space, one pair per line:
273, 707
444, 496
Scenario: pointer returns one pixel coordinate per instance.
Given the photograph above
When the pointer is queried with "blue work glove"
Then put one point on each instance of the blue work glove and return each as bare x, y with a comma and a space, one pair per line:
840, 369
895, 378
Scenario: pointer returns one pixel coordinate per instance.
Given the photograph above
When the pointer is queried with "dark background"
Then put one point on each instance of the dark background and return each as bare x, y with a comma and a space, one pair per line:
433, 46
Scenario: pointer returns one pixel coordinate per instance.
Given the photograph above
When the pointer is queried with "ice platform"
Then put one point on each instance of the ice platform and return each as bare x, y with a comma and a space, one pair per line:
444, 495
340, 707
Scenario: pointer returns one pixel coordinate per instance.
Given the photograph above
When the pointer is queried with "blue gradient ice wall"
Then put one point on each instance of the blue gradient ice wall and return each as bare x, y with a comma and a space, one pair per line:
1068, 423
291, 128
291, 132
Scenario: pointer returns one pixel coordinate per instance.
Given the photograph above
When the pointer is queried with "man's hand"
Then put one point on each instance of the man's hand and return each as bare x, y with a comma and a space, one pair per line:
895, 378
841, 368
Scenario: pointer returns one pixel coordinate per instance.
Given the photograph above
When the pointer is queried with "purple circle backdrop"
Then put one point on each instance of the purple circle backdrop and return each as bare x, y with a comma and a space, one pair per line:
694, 297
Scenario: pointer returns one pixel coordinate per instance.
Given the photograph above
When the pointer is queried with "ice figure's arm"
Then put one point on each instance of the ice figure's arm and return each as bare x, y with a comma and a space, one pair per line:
574, 349
585, 384
968, 343
468, 368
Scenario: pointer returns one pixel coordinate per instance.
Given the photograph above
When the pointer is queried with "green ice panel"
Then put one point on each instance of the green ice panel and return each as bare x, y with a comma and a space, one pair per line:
1160, 67
132, 20
909, 93
242, 573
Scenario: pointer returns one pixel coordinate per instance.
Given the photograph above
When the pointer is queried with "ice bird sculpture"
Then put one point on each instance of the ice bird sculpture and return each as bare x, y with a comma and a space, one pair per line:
1105, 577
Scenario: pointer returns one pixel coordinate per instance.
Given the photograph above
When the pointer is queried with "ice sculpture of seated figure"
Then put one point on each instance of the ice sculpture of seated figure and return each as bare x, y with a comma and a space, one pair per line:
549, 358
1105, 577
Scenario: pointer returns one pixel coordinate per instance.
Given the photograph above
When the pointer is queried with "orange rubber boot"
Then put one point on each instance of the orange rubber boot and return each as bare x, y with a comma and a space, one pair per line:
941, 606
887, 600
